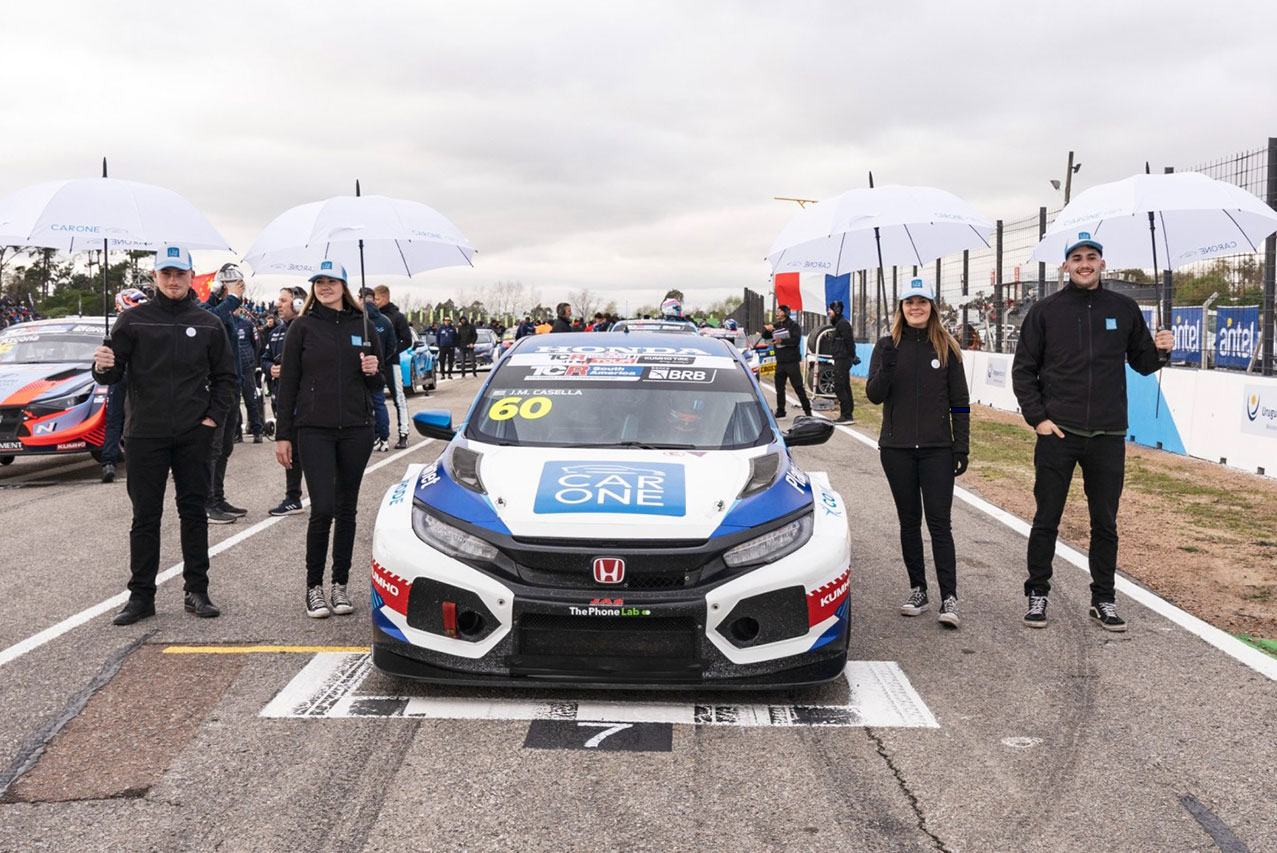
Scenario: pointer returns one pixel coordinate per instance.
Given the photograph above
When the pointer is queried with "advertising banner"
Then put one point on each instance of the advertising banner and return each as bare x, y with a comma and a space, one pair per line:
1236, 334
1260, 411
1186, 323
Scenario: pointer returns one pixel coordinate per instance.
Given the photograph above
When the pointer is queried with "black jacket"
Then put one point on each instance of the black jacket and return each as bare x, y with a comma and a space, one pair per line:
466, 334
787, 349
180, 367
844, 346
403, 332
273, 352
561, 324
1070, 362
926, 405
320, 381
224, 309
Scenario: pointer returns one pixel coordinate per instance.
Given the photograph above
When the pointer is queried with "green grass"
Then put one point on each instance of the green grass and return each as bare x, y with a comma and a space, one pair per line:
1267, 646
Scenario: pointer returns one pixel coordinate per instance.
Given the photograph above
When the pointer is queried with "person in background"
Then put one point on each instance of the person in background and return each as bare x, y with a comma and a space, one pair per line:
467, 337
1069, 376
563, 318
389, 343
527, 327
225, 296
289, 305
787, 336
844, 354
394, 377
447, 342
246, 347
326, 384
916, 374
115, 394
181, 386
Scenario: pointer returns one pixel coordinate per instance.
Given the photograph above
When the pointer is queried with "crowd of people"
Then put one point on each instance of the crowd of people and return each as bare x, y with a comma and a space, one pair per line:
12, 313
183, 368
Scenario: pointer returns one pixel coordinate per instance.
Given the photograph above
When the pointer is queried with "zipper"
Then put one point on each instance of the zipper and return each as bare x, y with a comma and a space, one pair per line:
1090, 358
917, 409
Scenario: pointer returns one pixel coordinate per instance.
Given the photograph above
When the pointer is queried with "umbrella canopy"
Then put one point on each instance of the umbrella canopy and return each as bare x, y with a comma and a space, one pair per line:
380, 235
911, 225
1195, 218
97, 213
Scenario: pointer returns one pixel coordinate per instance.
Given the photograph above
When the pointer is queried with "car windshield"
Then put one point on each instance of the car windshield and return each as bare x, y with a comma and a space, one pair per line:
621, 395
487, 336
24, 344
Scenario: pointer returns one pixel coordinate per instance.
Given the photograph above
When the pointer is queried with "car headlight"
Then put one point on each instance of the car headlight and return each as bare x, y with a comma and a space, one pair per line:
60, 404
771, 546
450, 540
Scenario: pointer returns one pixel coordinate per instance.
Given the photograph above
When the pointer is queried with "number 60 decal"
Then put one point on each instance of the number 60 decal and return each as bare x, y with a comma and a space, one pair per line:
529, 408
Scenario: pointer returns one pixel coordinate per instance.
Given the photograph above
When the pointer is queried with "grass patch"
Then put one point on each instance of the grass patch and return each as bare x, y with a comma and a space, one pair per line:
1266, 646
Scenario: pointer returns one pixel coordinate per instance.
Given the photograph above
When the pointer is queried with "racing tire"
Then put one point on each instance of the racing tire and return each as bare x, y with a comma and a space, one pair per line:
414, 385
6, 460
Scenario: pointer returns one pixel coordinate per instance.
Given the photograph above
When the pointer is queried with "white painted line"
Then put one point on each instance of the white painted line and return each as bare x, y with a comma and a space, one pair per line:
51, 633
327, 688
1228, 644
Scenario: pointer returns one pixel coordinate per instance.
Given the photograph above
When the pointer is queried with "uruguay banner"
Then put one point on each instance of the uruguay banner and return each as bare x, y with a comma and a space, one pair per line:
1236, 334
1186, 324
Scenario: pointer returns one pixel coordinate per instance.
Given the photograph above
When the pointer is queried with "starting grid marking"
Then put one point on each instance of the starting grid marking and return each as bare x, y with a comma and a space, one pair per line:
326, 688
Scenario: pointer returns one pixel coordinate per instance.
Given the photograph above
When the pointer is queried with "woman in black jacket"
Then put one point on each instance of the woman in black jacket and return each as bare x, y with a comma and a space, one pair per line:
916, 371
325, 406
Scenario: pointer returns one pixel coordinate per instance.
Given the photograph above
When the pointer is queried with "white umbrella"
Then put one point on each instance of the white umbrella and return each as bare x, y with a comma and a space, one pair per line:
103, 213
1176, 219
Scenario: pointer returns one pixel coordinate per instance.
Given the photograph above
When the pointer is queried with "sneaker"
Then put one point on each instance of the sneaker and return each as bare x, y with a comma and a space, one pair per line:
108, 473
239, 438
916, 604
402, 443
381, 445
341, 601
230, 508
287, 506
845, 419
216, 515
806, 413
316, 604
1105, 613
949, 613
779, 413
257, 438
1036, 617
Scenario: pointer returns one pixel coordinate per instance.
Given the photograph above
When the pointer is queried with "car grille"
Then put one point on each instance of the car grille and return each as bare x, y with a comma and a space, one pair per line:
656, 564
10, 421
637, 637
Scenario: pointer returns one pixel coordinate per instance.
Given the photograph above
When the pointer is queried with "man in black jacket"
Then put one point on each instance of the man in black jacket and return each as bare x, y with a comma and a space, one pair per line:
1069, 376
289, 305
394, 375
844, 353
786, 334
467, 337
225, 296
563, 318
181, 386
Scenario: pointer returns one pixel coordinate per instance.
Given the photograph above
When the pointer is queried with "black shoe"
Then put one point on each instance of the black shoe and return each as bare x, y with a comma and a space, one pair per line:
845, 419
1105, 613
135, 609
916, 604
1036, 617
239, 438
198, 603
230, 509
257, 438
288, 506
779, 413
402, 443
807, 413
108, 472
949, 613
217, 516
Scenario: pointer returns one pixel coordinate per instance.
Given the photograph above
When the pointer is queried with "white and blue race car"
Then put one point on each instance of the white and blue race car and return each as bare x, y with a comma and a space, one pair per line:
614, 510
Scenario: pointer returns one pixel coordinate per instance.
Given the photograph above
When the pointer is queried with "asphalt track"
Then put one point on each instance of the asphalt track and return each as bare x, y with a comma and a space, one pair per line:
993, 737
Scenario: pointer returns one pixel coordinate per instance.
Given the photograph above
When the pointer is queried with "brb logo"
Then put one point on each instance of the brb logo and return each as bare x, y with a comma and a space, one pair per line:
656, 488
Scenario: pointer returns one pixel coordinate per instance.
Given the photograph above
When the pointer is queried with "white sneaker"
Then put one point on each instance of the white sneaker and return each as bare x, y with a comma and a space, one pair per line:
316, 604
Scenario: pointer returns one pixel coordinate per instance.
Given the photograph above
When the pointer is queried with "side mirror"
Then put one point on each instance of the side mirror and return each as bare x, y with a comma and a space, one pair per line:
434, 423
808, 430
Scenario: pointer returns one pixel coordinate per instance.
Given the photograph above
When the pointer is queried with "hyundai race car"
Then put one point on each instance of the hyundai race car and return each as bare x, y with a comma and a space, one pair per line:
49, 402
614, 511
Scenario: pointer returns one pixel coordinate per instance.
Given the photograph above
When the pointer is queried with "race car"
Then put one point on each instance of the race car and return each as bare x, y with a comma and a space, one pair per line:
738, 339
655, 325
417, 367
49, 402
613, 512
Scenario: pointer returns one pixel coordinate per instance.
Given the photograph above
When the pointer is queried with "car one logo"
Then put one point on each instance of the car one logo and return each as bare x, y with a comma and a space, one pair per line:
609, 569
656, 488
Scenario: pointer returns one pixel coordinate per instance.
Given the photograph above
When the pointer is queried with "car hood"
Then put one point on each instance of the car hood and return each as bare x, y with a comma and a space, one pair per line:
25, 383
604, 493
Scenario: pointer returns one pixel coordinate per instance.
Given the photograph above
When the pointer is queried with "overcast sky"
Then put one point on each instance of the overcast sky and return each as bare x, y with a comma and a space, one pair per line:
624, 147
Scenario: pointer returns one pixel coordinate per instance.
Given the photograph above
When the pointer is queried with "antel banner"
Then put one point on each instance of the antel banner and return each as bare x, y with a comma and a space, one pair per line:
1236, 333
1186, 324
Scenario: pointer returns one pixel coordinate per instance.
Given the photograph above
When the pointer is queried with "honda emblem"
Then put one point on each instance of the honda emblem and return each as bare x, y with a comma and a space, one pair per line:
609, 569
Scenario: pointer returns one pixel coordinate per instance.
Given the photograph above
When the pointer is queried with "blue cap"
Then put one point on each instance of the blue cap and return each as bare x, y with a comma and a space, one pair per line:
329, 269
173, 257
918, 287
1083, 239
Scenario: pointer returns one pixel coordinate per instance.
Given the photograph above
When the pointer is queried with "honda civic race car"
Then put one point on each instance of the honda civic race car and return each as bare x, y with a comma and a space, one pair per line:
49, 402
614, 511
417, 367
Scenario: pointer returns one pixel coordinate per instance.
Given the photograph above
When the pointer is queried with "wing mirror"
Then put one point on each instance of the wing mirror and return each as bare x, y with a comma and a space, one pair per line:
808, 430
434, 423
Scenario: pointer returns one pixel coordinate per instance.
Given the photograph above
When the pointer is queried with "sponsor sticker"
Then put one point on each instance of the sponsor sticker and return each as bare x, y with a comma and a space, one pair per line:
1110, 323
653, 488
598, 610
10, 445
429, 475
1259, 410
680, 374
824, 601
190, 331
392, 588
397, 497
72, 445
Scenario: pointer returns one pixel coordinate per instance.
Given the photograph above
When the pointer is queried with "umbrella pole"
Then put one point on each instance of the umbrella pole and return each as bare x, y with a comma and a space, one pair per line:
882, 288
362, 286
106, 287
1157, 282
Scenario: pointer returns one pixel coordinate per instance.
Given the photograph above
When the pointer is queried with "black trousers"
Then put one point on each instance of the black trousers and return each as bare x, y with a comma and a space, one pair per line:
1103, 461
221, 444
150, 461
467, 360
333, 460
252, 400
923, 477
842, 386
793, 370
446, 357
293, 476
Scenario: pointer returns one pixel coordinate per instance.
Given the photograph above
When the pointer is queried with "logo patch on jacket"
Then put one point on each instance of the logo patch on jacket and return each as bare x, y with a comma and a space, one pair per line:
1110, 323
